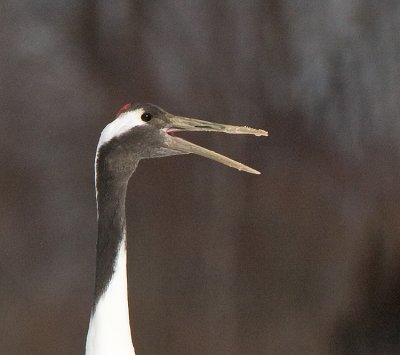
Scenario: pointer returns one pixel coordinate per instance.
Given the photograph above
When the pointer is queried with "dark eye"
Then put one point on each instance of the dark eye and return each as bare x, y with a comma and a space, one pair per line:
146, 117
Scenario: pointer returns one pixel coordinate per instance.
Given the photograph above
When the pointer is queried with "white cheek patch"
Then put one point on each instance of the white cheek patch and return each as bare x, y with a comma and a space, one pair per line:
123, 123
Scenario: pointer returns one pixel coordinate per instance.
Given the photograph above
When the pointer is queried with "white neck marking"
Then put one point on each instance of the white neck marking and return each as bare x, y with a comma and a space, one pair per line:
123, 123
109, 330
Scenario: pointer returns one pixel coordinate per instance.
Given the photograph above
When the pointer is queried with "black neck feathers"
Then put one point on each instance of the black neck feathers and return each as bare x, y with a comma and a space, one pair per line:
111, 231
111, 186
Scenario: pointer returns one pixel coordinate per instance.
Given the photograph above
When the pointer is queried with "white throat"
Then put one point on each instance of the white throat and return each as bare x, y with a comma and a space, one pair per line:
109, 329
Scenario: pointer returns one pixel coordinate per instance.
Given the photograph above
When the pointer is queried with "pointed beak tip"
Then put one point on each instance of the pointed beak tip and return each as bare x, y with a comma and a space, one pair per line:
255, 132
249, 170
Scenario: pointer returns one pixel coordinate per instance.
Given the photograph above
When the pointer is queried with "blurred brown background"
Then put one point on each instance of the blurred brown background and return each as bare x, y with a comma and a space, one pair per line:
303, 259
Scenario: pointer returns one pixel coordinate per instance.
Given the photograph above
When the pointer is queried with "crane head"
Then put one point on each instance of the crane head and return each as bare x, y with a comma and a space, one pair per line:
142, 131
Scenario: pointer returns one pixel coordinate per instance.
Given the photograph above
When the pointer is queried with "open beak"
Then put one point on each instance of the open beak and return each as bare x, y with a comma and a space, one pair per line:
177, 123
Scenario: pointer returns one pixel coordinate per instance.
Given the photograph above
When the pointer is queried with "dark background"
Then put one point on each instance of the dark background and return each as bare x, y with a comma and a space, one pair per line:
303, 259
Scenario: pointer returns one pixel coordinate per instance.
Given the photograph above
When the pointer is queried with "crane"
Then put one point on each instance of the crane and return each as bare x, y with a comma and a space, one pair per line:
139, 131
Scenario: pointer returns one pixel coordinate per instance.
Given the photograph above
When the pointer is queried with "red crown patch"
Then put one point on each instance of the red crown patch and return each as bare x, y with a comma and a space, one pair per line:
123, 109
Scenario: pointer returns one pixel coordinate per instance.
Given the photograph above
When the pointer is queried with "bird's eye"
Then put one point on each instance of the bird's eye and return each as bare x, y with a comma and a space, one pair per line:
146, 117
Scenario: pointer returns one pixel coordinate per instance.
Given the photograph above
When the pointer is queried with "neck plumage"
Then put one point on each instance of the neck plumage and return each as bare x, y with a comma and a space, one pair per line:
109, 328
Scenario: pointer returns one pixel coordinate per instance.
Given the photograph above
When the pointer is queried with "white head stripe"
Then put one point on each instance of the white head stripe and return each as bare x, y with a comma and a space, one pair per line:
123, 123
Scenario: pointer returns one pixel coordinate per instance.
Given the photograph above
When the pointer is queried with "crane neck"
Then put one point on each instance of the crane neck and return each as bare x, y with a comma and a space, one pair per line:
109, 328
111, 231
